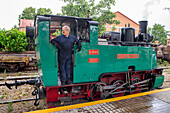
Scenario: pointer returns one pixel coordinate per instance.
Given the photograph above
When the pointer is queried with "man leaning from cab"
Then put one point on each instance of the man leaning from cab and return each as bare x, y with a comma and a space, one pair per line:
65, 44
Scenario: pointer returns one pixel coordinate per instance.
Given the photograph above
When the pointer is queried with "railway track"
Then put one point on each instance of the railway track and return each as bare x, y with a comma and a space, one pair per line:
15, 101
21, 73
18, 78
77, 101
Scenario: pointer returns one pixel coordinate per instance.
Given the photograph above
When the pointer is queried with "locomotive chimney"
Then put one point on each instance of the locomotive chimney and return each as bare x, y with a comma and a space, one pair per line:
143, 26
88, 13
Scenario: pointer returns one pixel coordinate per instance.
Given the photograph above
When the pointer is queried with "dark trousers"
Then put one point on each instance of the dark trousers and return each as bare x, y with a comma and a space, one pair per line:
65, 69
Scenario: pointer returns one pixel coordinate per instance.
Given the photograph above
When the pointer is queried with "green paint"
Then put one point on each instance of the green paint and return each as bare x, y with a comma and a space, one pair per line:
93, 34
108, 62
46, 56
83, 71
154, 60
159, 79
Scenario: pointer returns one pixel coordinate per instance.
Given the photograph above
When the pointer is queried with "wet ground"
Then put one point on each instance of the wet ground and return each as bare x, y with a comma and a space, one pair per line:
154, 103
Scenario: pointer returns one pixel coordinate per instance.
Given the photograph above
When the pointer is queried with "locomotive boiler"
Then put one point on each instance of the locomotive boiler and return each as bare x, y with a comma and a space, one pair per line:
114, 66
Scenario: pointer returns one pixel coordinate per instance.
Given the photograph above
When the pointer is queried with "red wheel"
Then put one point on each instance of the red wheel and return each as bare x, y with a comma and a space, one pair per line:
95, 93
137, 87
116, 84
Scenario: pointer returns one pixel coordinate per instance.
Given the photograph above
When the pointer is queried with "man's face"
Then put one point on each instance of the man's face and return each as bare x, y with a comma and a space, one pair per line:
65, 31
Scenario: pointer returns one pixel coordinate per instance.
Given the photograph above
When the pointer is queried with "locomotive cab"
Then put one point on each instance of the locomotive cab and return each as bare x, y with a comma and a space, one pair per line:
48, 27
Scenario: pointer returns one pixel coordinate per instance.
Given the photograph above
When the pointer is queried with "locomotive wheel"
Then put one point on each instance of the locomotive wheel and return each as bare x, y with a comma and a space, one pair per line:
12, 67
137, 87
116, 84
95, 93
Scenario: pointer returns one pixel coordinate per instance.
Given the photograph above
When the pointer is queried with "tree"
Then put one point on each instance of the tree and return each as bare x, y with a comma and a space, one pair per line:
43, 11
30, 12
159, 32
99, 11
113, 28
15, 27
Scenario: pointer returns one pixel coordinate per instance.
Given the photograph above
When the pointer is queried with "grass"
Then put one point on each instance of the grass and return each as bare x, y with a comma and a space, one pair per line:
10, 108
44, 102
7, 95
19, 74
25, 94
28, 73
27, 90
5, 75
2, 97
168, 71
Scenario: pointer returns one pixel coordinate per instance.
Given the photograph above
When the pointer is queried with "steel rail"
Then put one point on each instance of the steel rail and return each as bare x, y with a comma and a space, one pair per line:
15, 101
18, 73
19, 78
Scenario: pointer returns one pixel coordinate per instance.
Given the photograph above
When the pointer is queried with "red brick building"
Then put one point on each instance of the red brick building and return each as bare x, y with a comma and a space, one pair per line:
24, 23
124, 21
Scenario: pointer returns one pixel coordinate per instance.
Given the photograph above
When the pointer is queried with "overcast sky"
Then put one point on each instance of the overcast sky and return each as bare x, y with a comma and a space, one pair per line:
151, 10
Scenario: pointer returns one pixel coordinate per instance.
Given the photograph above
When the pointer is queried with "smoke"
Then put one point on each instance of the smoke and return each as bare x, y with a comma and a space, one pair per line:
147, 11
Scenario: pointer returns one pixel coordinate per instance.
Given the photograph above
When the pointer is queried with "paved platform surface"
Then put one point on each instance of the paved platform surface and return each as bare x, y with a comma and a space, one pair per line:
154, 103
157, 101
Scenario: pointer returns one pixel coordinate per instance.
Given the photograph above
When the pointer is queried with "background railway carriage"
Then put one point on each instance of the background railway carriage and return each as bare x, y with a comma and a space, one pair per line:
104, 68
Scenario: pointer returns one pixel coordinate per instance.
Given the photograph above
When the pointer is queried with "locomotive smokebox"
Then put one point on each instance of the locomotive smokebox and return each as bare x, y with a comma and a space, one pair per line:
143, 26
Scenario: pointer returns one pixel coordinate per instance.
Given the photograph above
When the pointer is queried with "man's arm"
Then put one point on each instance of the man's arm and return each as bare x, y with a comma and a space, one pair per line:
55, 42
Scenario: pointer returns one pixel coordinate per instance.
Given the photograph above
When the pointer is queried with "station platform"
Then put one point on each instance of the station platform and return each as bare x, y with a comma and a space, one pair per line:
156, 101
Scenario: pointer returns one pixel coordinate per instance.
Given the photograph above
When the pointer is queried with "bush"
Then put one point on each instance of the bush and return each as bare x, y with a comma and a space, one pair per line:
165, 63
13, 40
160, 61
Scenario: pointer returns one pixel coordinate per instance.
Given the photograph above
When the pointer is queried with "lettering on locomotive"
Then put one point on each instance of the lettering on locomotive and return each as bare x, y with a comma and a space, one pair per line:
93, 60
125, 56
93, 52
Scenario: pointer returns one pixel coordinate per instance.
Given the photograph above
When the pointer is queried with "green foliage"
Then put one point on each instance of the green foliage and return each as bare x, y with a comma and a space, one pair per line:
44, 102
7, 95
57, 32
28, 73
165, 63
1, 37
159, 32
99, 11
2, 97
5, 75
15, 27
113, 28
19, 74
160, 61
13, 40
43, 11
30, 13
168, 71
10, 108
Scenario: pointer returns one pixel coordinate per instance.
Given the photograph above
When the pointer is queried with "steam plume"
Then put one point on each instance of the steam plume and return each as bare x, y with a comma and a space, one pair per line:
148, 4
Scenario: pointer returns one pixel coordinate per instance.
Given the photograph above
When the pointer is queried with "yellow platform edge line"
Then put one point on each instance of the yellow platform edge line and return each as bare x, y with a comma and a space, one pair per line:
98, 102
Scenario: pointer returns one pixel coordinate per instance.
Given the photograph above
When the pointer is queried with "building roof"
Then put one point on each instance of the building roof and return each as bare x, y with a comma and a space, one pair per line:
26, 22
126, 17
